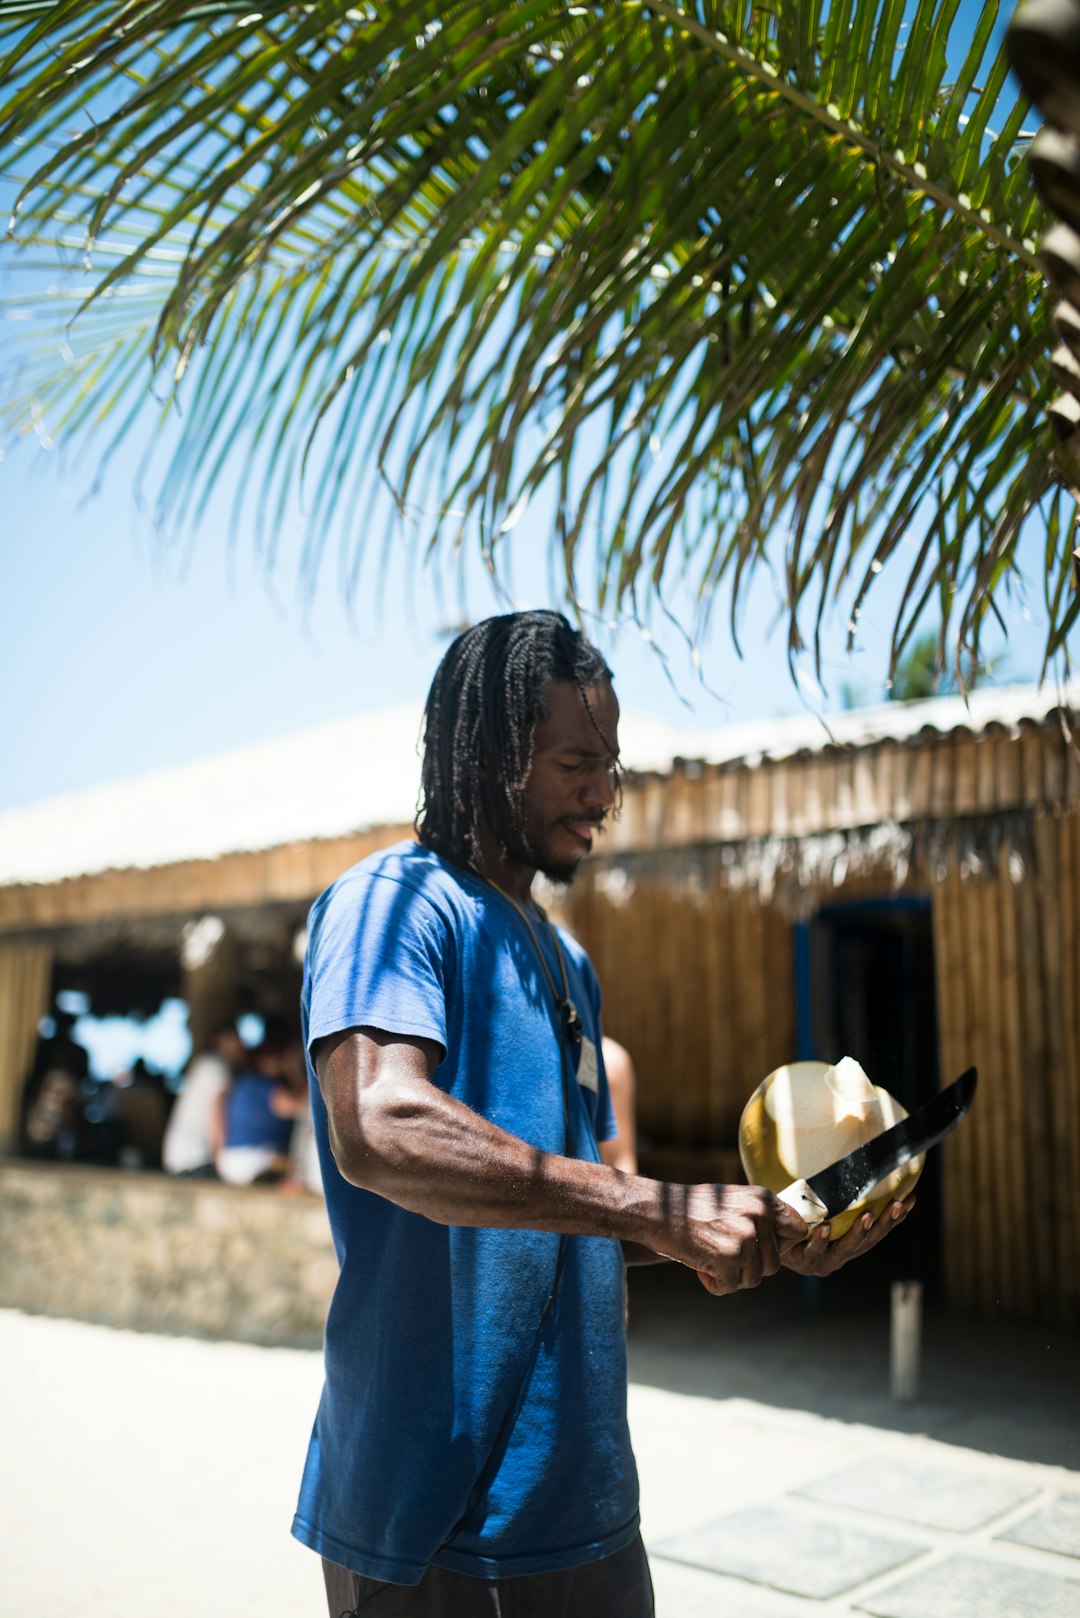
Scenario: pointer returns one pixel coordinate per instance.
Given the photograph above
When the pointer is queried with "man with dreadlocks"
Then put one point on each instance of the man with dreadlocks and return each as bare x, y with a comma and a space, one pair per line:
470, 1454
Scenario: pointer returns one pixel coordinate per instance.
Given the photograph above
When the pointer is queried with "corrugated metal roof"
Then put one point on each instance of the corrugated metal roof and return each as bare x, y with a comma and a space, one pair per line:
1007, 706
352, 775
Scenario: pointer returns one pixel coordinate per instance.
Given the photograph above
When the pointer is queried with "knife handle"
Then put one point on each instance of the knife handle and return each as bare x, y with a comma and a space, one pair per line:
799, 1196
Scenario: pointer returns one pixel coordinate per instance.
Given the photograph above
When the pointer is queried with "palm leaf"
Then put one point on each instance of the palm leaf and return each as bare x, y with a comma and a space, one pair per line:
727, 280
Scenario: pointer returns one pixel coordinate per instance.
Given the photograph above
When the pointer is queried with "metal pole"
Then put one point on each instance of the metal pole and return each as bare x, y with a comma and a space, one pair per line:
906, 1343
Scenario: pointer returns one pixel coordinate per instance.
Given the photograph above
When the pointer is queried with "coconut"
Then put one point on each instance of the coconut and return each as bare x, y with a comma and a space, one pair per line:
805, 1116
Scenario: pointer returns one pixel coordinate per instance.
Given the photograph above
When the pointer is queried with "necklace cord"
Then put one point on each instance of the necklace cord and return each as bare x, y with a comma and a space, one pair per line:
570, 1031
568, 1012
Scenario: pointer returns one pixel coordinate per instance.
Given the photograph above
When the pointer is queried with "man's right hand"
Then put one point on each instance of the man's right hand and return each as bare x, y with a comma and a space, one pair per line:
732, 1235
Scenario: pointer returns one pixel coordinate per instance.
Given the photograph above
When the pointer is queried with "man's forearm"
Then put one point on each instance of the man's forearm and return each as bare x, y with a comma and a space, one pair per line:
428, 1152
395, 1133
635, 1255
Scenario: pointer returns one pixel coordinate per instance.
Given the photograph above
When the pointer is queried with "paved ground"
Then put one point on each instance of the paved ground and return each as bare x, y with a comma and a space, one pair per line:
151, 1477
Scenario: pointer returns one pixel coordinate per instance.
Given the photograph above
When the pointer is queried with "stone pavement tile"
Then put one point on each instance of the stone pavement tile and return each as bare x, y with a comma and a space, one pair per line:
782, 1547
690, 1592
918, 1491
1054, 1527
974, 1587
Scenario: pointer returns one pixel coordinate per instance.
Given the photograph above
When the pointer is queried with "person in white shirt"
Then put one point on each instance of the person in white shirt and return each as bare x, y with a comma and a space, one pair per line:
191, 1137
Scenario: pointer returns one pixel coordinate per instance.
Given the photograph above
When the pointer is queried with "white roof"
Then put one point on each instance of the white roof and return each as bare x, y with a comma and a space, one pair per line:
356, 774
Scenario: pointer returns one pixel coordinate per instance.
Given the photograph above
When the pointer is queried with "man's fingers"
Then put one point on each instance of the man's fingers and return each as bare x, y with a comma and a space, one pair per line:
769, 1248
788, 1226
750, 1273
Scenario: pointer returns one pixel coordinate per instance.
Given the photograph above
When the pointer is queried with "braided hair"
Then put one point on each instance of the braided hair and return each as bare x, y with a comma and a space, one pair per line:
485, 702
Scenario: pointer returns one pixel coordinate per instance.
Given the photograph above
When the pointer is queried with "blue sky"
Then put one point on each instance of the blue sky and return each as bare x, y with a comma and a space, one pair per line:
117, 656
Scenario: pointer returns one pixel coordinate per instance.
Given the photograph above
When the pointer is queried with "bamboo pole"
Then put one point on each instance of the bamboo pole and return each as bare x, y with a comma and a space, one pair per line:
942, 775
1069, 877
814, 794
742, 1017
988, 777
1036, 1142
1058, 1162
757, 988
901, 786
758, 788
867, 810
952, 1036
643, 1033
1015, 1187
643, 1005
1032, 760
922, 782
1072, 771
965, 777
681, 935
1055, 766
1072, 992
979, 1130
732, 825
842, 768
994, 1084
735, 1091
780, 1030
717, 969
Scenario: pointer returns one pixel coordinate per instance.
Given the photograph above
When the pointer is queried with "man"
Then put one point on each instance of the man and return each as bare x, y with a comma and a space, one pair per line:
471, 1453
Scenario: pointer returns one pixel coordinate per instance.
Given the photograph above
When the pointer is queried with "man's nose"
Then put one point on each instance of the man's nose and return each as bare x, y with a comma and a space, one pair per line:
599, 790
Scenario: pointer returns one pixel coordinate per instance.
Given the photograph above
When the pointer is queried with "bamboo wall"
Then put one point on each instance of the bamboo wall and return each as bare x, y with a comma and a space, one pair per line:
697, 984
1007, 949
699, 980
698, 973
25, 978
291, 872
933, 778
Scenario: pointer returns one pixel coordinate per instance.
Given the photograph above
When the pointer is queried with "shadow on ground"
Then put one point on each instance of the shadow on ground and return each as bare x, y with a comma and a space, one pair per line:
1003, 1387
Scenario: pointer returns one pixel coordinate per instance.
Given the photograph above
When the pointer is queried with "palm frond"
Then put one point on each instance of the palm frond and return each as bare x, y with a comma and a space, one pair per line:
709, 274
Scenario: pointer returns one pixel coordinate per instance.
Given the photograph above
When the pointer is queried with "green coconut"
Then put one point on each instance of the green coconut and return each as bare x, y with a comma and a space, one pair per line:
804, 1116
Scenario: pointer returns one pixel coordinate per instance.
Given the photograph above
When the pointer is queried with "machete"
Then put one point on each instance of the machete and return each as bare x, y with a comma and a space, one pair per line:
823, 1195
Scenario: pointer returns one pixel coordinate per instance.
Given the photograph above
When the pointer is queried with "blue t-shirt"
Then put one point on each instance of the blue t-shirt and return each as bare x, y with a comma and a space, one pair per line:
249, 1118
431, 1327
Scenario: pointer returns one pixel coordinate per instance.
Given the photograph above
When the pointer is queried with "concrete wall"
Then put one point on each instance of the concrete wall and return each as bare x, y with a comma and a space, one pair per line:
156, 1254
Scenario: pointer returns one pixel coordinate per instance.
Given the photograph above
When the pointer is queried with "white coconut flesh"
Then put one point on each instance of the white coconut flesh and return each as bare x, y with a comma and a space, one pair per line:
821, 1113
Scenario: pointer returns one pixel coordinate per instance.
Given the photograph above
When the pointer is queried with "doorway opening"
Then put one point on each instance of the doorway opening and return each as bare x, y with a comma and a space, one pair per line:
865, 988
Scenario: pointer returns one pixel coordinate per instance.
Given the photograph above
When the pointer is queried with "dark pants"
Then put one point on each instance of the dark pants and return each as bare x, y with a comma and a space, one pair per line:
617, 1587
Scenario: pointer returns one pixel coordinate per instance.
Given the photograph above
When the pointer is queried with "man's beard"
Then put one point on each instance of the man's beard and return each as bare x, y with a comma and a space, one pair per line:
526, 845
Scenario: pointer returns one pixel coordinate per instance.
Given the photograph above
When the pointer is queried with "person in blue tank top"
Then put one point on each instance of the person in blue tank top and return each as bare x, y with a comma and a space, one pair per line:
470, 1453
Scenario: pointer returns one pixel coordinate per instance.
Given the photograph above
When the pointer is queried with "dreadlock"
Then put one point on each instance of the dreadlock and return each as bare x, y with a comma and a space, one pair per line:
485, 703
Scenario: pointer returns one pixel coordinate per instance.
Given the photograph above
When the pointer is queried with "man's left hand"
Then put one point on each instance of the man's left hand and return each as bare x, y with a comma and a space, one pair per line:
818, 1256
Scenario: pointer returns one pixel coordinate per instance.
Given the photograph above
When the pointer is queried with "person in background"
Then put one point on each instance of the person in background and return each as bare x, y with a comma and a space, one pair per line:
620, 1152
304, 1173
257, 1113
53, 1123
137, 1100
192, 1136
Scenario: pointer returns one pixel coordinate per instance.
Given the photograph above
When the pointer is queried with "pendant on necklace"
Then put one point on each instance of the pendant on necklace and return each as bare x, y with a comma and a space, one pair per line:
575, 1028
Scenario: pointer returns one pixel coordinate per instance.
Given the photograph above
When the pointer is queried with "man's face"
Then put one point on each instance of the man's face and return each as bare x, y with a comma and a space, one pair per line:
570, 788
